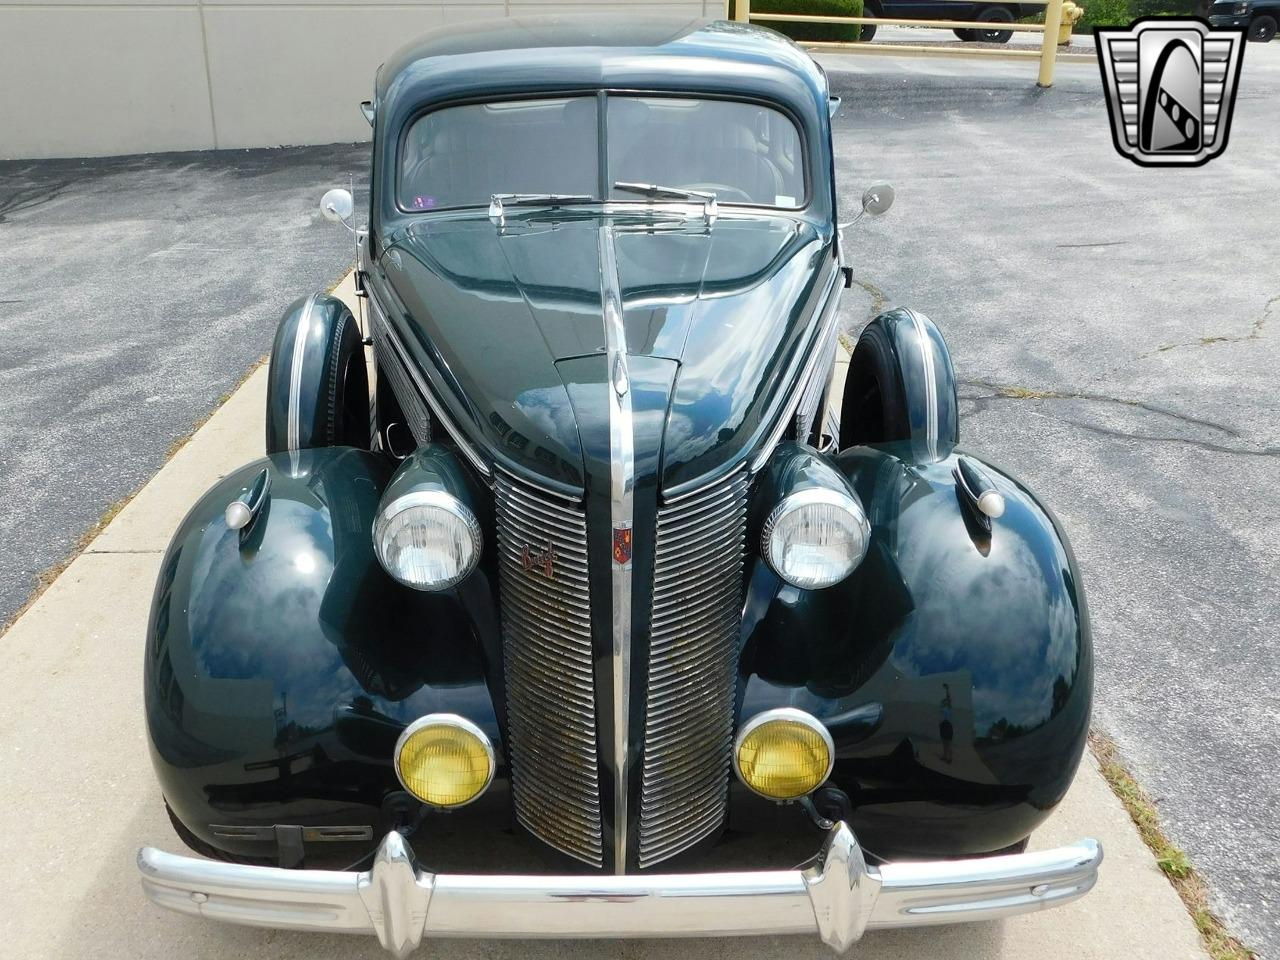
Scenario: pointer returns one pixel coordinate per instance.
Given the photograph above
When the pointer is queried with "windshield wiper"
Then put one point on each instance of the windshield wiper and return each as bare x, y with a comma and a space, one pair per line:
656, 191
499, 201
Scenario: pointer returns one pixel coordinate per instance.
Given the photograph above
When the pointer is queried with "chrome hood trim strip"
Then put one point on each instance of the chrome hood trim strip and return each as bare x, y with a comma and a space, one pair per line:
621, 496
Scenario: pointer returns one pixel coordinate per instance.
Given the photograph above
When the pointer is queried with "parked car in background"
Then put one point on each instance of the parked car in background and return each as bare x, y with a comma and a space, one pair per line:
601, 569
1259, 18
993, 13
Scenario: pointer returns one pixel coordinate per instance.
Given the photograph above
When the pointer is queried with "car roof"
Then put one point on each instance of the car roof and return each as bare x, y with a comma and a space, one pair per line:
593, 51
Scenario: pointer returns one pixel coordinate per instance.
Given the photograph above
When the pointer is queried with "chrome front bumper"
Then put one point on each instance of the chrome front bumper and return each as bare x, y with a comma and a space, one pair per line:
837, 895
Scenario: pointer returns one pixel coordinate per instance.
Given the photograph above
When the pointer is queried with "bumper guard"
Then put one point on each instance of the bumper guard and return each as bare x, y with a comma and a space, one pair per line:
837, 895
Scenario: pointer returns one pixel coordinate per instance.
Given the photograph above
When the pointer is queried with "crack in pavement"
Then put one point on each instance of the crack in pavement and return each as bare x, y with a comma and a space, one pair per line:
1005, 391
878, 299
980, 402
24, 198
1255, 333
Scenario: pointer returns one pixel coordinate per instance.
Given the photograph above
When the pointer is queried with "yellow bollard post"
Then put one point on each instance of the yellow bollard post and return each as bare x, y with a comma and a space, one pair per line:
1049, 50
742, 11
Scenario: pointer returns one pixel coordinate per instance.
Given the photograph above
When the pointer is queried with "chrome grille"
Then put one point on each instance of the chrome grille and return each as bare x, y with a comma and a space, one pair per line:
546, 631
697, 611
391, 365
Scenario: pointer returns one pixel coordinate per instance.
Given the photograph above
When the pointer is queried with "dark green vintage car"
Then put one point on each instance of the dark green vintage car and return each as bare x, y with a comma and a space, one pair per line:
596, 609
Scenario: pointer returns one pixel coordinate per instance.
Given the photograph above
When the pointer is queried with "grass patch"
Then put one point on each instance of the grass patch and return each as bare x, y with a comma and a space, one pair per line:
1171, 860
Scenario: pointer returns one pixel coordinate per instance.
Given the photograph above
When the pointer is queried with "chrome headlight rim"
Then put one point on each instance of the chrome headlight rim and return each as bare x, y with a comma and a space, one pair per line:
794, 715
439, 499
815, 496
445, 720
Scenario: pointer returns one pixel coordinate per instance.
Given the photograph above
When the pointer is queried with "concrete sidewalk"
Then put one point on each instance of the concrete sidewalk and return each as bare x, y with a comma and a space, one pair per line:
80, 797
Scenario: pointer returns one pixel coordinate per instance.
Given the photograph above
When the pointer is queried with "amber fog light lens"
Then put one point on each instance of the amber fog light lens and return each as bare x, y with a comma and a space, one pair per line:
444, 760
784, 754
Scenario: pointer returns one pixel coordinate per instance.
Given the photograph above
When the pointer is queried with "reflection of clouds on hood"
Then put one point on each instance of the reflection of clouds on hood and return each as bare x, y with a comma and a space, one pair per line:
1005, 617
548, 409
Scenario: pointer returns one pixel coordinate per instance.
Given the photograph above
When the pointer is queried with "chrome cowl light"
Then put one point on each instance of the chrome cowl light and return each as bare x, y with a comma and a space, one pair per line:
815, 537
427, 539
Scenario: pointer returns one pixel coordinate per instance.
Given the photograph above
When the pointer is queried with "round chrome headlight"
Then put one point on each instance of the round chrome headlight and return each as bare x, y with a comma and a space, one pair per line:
427, 539
444, 760
815, 537
783, 754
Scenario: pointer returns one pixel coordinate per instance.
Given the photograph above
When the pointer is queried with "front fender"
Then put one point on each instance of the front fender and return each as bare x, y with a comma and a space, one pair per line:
282, 664
954, 666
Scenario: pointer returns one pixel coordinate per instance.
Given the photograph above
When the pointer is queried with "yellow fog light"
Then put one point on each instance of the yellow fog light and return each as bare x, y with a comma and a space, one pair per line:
444, 760
783, 754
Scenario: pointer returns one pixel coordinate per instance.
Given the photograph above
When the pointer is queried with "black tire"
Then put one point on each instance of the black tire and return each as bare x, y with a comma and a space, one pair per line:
874, 408
208, 850
888, 396
869, 29
965, 35
331, 408
1262, 29
994, 15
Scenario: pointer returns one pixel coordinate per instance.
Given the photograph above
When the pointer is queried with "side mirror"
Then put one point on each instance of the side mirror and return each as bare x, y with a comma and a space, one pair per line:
877, 200
337, 205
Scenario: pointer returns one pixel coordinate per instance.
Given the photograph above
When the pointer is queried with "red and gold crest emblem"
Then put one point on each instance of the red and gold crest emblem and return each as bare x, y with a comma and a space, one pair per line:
622, 545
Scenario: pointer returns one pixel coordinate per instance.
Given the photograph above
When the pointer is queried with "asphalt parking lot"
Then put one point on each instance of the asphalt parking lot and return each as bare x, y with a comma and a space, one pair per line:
1116, 331
1112, 326
137, 291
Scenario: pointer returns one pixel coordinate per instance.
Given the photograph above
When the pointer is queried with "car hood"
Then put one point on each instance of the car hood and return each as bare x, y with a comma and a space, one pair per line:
508, 322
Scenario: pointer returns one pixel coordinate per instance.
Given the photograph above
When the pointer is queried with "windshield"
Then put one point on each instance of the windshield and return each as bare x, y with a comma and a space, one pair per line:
461, 156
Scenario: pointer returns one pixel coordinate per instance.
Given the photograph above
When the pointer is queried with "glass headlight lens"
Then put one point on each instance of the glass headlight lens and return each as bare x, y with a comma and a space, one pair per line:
784, 754
444, 760
815, 538
427, 540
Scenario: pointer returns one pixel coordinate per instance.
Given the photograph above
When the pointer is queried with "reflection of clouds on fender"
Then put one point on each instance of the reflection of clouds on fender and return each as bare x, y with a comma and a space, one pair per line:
1004, 618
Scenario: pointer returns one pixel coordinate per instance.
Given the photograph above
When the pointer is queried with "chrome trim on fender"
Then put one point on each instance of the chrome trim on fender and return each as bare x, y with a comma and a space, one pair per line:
930, 385
294, 437
437, 407
621, 494
837, 895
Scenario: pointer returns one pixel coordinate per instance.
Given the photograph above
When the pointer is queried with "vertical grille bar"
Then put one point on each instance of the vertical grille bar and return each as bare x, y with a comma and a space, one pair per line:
697, 612
546, 630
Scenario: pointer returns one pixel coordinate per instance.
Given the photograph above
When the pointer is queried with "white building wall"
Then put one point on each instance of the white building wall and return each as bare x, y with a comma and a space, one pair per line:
94, 78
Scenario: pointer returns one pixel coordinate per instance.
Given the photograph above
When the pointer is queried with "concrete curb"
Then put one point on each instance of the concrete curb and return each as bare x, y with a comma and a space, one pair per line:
82, 798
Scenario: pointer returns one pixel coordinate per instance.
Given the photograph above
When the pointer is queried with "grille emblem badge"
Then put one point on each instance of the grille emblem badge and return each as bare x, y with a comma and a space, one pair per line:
622, 546
539, 561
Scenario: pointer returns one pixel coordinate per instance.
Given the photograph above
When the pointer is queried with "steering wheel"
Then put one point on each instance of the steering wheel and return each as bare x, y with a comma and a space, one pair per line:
724, 192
